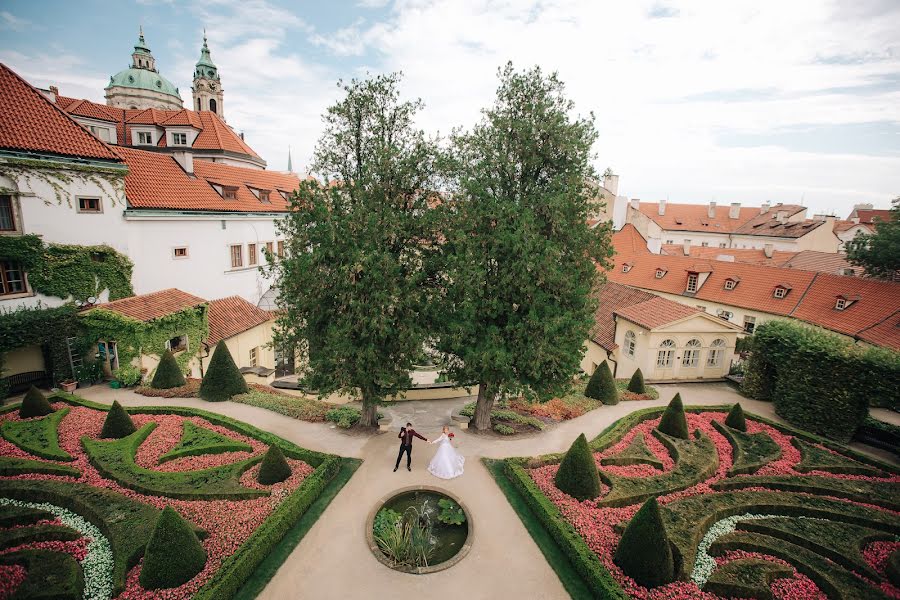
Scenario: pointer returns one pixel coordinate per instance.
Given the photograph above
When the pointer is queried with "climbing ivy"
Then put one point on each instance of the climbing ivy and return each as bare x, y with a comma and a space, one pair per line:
60, 176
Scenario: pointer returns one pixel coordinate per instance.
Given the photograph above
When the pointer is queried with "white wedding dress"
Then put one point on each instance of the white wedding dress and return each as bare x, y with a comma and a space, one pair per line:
447, 462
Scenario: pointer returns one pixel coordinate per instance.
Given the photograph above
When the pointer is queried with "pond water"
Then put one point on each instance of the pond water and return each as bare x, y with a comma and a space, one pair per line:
447, 539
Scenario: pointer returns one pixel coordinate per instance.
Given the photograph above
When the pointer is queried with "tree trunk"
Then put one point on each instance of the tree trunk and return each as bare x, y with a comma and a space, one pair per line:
369, 413
483, 407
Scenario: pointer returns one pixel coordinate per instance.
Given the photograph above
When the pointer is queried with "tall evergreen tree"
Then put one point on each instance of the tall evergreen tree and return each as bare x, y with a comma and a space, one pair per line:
355, 284
520, 261
879, 253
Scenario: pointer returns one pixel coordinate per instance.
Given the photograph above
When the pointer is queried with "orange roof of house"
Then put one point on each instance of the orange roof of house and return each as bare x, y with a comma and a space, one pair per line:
629, 240
148, 307
841, 226
157, 181
233, 315
656, 312
612, 297
870, 215
695, 217
745, 255
885, 334
31, 123
825, 262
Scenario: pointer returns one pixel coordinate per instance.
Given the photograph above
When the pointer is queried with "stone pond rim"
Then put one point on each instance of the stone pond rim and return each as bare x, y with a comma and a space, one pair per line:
376, 551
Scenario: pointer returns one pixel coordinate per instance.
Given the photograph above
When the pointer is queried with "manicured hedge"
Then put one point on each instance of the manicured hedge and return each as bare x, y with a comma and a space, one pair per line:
174, 554
274, 467
602, 386
118, 423
636, 383
577, 475
168, 373
644, 553
34, 404
50, 574
880, 435
38, 436
820, 381
222, 379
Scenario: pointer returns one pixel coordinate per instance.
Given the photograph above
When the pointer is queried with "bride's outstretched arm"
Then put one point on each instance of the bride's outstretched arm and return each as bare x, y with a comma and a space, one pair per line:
435, 441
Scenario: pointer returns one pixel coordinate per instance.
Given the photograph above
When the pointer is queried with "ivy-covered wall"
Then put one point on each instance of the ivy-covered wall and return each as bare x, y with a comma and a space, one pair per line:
60, 176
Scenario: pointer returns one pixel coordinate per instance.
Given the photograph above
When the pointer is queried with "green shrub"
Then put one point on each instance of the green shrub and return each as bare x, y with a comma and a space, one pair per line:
196, 441
222, 379
174, 554
577, 475
504, 429
297, 407
636, 384
601, 386
673, 422
644, 553
735, 418
344, 417
168, 373
50, 574
128, 375
118, 423
34, 404
274, 467
385, 519
39, 436
892, 568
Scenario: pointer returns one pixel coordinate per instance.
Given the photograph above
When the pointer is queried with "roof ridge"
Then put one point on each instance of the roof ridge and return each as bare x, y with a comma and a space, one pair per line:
805, 292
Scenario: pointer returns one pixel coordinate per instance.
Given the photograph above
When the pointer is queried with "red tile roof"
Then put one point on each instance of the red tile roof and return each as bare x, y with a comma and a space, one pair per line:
628, 240
157, 181
233, 315
885, 334
612, 297
30, 122
657, 312
767, 225
743, 255
869, 215
842, 226
825, 262
148, 307
750, 220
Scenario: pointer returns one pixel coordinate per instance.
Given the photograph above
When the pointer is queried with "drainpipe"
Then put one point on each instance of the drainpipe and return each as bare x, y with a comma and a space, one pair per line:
202, 356
609, 357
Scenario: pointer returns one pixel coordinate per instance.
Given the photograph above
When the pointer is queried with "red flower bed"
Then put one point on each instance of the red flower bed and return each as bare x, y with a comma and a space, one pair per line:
228, 522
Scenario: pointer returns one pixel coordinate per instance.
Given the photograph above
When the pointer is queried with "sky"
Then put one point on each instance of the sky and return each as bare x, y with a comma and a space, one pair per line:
793, 101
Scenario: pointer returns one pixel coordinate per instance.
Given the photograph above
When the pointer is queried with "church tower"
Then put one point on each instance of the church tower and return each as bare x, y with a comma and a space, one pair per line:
141, 86
207, 88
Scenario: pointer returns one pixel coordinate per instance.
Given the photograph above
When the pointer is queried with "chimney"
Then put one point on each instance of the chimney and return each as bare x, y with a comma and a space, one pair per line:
711, 210
635, 203
686, 246
779, 216
186, 160
735, 211
769, 250
662, 208
54, 91
819, 217
764, 208
242, 135
611, 183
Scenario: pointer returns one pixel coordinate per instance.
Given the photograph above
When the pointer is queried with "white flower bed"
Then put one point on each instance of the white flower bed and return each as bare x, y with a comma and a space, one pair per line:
98, 564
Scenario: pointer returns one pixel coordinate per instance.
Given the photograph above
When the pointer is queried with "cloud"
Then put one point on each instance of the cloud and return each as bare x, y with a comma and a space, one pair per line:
10, 21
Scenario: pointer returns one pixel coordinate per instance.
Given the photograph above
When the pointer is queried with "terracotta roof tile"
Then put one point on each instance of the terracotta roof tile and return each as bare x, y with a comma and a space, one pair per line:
695, 217
610, 298
233, 315
216, 135
30, 122
768, 226
628, 240
877, 300
870, 215
148, 307
825, 262
656, 312
885, 334
743, 255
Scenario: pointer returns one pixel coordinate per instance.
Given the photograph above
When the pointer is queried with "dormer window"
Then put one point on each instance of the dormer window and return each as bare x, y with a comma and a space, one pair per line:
692, 282
841, 304
626, 267
229, 192
179, 139
730, 283
145, 137
264, 197
660, 273
781, 291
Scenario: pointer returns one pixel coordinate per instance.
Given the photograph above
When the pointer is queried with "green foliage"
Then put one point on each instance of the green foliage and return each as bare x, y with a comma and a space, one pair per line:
38, 436
879, 434
10, 538
168, 373
577, 474
174, 554
49, 574
274, 467
344, 417
34, 404
222, 379
879, 252
504, 429
451, 512
409, 543
601, 386
81, 272
128, 375
357, 280
514, 417
892, 568
735, 418
746, 578
13, 516
749, 452
871, 492
820, 381
297, 407
385, 519
673, 421
196, 440
118, 423
636, 453
520, 260
45, 327
636, 384
816, 458
10, 465
643, 552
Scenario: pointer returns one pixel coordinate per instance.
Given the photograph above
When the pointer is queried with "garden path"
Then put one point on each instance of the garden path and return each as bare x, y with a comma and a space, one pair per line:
333, 560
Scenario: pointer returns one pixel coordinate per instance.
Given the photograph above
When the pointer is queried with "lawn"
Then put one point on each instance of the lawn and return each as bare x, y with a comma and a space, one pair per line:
83, 515
766, 512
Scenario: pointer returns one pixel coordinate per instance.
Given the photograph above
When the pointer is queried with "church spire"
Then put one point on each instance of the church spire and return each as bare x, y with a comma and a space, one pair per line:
207, 86
290, 166
141, 58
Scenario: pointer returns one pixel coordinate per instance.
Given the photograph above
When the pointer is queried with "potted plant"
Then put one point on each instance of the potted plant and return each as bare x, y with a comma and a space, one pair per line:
68, 385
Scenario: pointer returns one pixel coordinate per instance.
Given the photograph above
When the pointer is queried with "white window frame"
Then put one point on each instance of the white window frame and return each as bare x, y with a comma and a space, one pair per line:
140, 136
254, 356
730, 284
239, 256
716, 353
693, 282
840, 304
691, 357
749, 320
179, 138
665, 354
660, 273
780, 292
80, 210
629, 344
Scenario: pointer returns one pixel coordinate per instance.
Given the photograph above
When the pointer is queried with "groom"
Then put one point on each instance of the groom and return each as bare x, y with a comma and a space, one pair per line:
406, 439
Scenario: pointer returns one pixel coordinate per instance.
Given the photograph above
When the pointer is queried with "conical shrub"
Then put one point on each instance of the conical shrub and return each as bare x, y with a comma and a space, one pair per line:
168, 373
222, 379
602, 386
577, 475
274, 467
673, 421
34, 404
644, 553
173, 555
636, 384
735, 418
118, 423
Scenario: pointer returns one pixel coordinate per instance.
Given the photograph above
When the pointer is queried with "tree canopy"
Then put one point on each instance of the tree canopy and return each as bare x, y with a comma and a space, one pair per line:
879, 252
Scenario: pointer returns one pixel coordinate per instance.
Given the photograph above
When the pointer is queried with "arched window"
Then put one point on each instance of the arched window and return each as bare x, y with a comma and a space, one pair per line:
212, 105
716, 353
691, 356
665, 354
629, 343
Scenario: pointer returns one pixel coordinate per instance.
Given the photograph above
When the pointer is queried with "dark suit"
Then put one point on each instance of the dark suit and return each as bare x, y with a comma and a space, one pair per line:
406, 438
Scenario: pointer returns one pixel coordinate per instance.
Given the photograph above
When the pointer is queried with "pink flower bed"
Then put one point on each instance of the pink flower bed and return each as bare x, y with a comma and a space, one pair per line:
596, 525
228, 522
11, 577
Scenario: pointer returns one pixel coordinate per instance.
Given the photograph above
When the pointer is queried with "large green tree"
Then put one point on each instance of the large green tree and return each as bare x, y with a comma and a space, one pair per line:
519, 258
879, 252
356, 280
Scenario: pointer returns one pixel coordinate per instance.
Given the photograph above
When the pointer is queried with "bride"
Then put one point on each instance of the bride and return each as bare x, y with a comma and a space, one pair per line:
447, 462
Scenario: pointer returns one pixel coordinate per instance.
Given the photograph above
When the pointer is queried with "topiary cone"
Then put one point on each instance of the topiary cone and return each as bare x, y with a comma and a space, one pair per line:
34, 404
602, 386
577, 475
168, 373
222, 379
644, 553
274, 467
173, 555
735, 418
118, 423
673, 421
636, 384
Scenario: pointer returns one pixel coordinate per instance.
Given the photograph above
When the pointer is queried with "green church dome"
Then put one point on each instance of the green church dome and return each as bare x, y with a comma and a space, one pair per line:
143, 79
